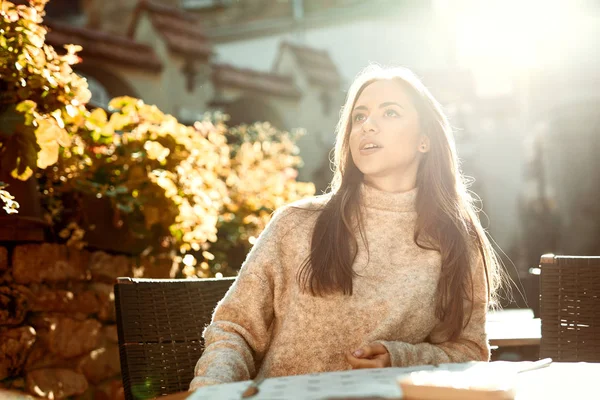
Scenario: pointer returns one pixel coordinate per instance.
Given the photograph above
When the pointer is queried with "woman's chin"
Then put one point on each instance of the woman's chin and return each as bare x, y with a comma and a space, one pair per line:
368, 169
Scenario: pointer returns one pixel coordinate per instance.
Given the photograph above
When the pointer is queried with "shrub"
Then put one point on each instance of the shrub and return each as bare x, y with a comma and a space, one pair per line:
39, 92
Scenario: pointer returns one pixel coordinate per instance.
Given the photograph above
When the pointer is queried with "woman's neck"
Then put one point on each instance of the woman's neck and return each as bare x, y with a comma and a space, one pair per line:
391, 185
372, 197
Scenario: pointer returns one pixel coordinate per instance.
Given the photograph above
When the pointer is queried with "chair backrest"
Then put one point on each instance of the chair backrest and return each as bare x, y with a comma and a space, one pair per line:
570, 308
160, 324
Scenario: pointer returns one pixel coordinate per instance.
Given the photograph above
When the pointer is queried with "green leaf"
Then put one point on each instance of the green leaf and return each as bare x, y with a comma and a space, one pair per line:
10, 154
23, 175
10, 120
28, 149
121, 102
97, 118
26, 106
19, 153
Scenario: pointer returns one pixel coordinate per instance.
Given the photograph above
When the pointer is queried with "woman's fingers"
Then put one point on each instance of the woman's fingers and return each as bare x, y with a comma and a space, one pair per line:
373, 355
362, 363
370, 350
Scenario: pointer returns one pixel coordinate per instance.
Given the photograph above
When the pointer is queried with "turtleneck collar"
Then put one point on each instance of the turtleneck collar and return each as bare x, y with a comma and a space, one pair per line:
382, 200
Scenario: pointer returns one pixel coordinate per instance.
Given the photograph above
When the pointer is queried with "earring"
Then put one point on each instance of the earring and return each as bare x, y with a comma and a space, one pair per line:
423, 147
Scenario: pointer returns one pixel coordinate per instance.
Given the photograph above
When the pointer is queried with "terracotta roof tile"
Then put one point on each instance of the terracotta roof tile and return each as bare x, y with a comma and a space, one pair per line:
104, 45
317, 64
182, 32
265, 82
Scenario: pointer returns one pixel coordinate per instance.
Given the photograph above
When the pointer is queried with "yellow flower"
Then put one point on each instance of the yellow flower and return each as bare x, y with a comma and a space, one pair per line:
156, 151
49, 137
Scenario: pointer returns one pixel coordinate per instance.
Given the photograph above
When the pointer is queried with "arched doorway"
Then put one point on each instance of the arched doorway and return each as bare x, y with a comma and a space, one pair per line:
104, 85
247, 110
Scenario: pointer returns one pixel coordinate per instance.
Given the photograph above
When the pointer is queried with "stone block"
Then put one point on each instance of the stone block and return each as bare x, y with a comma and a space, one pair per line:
55, 383
101, 364
67, 337
14, 304
15, 344
46, 262
106, 267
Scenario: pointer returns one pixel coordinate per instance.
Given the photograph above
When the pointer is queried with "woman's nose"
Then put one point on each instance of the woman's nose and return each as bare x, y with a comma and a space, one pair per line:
370, 126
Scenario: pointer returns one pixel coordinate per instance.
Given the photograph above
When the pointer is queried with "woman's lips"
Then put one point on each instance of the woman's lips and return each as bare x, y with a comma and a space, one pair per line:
366, 152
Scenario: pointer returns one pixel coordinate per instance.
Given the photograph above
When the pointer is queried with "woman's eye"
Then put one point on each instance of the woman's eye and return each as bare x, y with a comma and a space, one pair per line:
359, 118
391, 113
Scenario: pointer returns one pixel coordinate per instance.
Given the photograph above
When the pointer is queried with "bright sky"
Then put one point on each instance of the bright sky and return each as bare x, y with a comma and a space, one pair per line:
493, 38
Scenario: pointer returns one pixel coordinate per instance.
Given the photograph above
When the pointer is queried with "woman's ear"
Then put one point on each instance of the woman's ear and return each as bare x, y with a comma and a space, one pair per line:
424, 145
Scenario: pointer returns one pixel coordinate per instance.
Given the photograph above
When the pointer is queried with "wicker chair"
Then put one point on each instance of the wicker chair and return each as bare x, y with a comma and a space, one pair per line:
570, 308
160, 324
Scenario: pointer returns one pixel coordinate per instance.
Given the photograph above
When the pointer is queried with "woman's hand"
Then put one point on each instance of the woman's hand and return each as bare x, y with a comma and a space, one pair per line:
374, 355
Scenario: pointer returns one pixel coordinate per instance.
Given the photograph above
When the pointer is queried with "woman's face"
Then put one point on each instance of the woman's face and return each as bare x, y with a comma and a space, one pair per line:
385, 140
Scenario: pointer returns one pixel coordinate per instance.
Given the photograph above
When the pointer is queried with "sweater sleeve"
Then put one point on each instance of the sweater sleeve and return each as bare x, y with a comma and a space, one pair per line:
239, 333
471, 345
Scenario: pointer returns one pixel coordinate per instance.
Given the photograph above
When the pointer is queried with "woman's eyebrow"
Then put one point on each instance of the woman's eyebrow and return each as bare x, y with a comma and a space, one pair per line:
390, 103
382, 105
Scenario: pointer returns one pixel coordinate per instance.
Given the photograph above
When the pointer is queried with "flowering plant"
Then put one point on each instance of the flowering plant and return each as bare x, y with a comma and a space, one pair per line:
39, 92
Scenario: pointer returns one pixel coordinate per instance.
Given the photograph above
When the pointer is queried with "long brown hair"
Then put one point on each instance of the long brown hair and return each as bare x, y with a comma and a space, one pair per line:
446, 216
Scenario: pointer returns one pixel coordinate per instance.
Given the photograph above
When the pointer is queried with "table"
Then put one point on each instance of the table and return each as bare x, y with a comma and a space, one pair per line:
513, 328
557, 381
513, 334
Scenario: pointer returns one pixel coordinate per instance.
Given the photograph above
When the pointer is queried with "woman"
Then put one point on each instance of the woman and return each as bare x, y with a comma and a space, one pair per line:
392, 268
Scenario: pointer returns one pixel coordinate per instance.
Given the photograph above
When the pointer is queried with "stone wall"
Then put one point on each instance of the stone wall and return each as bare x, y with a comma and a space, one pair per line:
58, 334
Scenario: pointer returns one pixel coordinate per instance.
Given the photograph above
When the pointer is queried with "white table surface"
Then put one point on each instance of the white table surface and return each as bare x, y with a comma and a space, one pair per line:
513, 327
558, 381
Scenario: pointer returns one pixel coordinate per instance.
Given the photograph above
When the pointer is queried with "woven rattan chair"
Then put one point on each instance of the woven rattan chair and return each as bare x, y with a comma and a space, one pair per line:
160, 324
570, 308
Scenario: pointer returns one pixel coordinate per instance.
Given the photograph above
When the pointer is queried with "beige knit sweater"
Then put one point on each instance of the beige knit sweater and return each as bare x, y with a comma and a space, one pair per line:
266, 326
